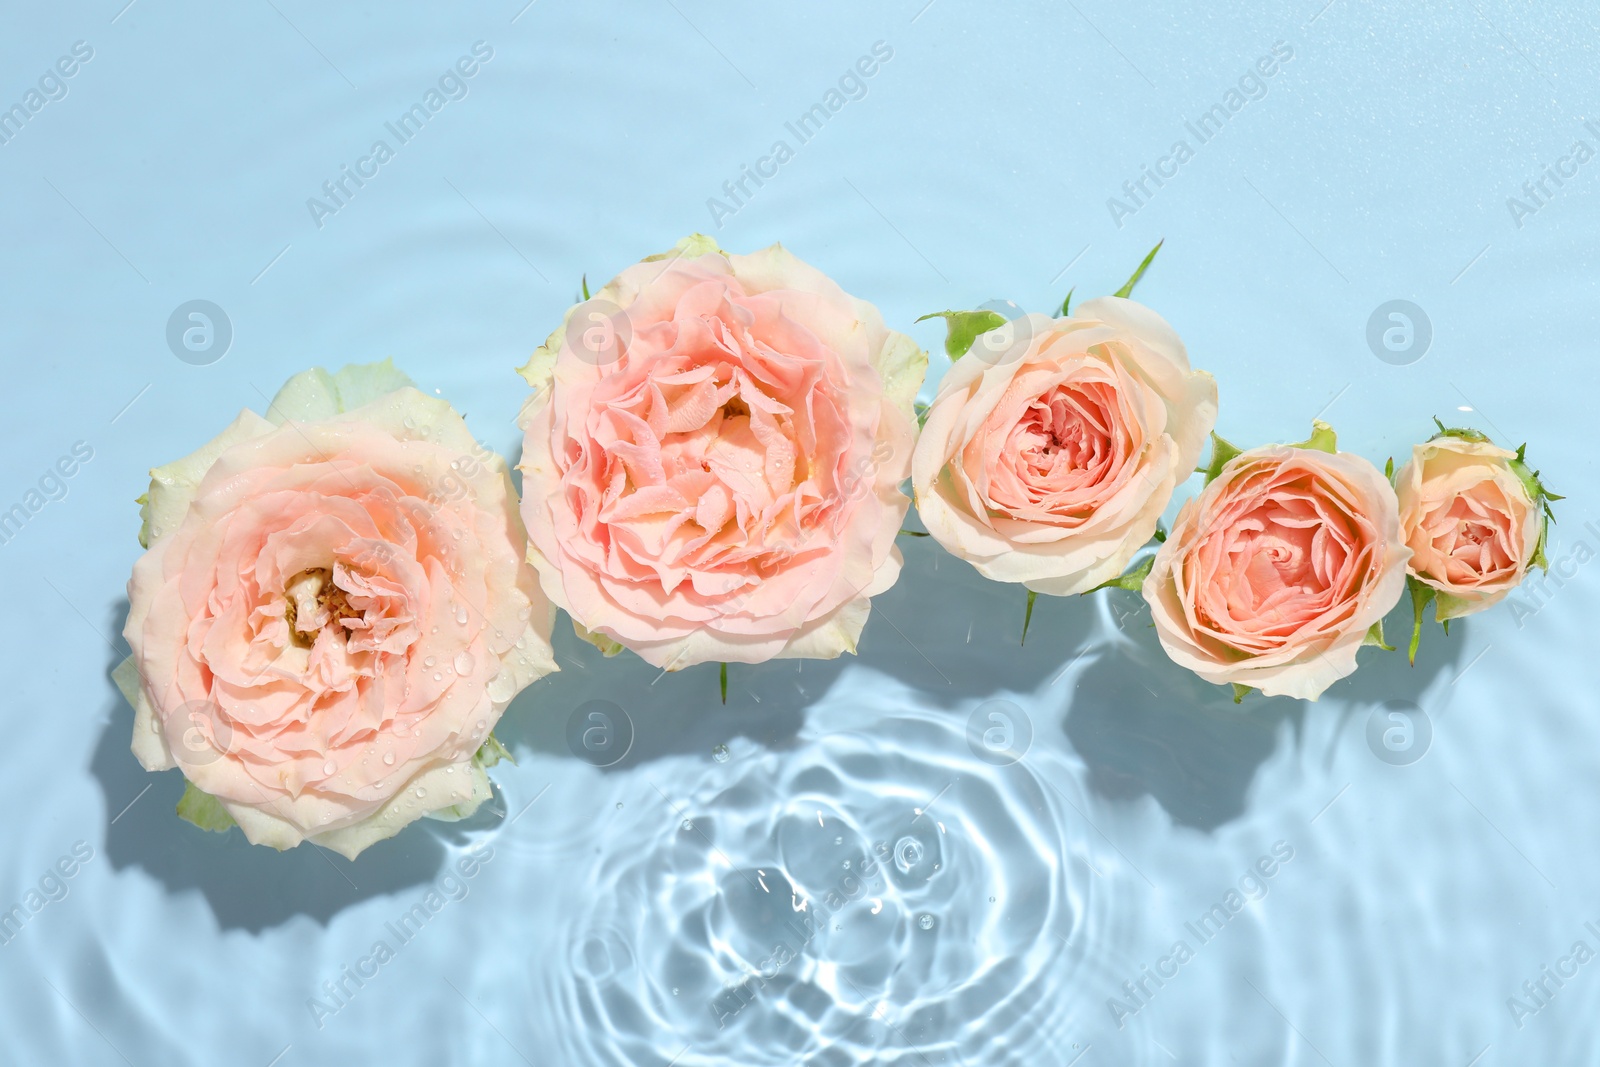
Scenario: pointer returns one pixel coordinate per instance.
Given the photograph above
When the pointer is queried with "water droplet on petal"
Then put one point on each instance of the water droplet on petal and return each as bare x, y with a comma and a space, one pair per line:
463, 663
461, 615
388, 758
422, 792
438, 677
430, 661
329, 767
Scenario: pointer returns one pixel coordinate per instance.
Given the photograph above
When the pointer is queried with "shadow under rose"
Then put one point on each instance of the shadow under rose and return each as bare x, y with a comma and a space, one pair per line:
646, 714
1144, 725
246, 886
956, 636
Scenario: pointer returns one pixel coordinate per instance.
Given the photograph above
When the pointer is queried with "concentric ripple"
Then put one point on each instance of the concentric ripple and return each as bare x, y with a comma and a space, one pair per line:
871, 897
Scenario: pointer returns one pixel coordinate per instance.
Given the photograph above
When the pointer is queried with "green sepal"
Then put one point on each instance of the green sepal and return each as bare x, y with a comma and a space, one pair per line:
921, 410
1388, 469
1161, 532
491, 752
1066, 305
913, 533
1322, 438
1127, 287
204, 810
1541, 498
724, 683
963, 327
1132, 579
1421, 595
607, 647
1375, 637
1221, 453
1240, 691
1027, 616
585, 284
1463, 433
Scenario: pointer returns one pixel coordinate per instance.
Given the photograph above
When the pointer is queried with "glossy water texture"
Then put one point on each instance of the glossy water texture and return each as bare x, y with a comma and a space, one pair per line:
845, 865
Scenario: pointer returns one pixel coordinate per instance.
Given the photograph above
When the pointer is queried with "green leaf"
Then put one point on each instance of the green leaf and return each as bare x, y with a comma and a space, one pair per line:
1221, 453
1132, 579
586, 287
1240, 692
1322, 438
922, 413
963, 327
1027, 616
1066, 305
724, 683
491, 752
204, 810
1127, 287
1161, 532
1421, 595
1375, 637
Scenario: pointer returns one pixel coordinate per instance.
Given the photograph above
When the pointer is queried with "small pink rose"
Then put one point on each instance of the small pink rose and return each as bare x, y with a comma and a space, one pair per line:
1274, 575
1048, 460
1471, 524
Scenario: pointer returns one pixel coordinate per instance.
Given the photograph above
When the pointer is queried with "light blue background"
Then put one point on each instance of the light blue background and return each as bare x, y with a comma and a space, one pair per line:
978, 165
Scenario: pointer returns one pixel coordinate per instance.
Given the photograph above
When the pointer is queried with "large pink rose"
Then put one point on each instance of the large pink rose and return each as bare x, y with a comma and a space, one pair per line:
1276, 573
713, 456
332, 614
1050, 451
1470, 519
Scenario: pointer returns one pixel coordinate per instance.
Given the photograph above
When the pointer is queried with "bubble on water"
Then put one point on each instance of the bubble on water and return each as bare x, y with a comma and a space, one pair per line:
463, 663
721, 754
619, 805
926, 922
687, 825
907, 854
838, 839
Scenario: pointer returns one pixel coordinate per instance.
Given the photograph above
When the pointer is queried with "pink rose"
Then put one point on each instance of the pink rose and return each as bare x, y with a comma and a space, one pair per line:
1050, 451
332, 614
1276, 573
1470, 519
713, 456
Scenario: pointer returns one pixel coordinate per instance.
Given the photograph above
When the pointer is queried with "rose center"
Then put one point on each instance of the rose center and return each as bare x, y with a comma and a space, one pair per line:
314, 603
